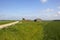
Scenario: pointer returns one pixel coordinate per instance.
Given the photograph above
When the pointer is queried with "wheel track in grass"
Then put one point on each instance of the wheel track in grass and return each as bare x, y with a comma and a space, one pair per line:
9, 24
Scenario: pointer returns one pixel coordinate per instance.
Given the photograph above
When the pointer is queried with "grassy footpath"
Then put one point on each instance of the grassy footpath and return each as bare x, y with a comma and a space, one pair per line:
5, 21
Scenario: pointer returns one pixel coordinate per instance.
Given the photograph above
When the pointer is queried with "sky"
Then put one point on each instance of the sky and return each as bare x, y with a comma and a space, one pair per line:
29, 9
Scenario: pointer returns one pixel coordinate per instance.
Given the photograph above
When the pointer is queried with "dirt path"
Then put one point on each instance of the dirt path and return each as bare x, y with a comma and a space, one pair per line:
9, 24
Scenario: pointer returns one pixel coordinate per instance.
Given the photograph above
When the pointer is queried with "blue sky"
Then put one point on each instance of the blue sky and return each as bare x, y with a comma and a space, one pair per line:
29, 9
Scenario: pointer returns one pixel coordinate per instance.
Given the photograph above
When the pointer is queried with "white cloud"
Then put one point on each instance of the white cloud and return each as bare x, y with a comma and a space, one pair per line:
59, 12
59, 7
49, 10
56, 15
43, 1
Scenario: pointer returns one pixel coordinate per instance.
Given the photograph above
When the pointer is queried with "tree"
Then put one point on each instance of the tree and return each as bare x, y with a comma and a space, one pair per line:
35, 20
23, 18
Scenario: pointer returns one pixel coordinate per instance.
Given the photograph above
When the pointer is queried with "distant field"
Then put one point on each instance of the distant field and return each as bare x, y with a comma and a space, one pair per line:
29, 30
5, 21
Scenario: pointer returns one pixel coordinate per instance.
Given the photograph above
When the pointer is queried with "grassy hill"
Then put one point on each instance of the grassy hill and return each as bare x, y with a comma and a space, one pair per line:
29, 30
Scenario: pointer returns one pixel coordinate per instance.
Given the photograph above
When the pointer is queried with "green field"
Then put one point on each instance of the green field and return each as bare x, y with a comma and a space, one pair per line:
52, 31
29, 30
5, 21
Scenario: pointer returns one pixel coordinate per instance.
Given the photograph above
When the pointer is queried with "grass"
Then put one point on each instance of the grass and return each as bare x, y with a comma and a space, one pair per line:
29, 30
52, 31
23, 31
5, 21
